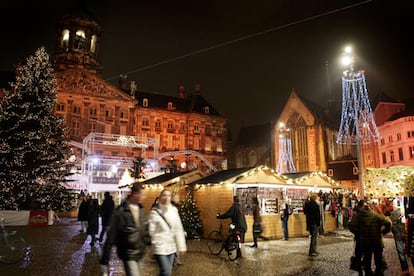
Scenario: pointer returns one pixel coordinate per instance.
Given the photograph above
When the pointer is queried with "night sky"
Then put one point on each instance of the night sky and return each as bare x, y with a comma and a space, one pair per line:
246, 55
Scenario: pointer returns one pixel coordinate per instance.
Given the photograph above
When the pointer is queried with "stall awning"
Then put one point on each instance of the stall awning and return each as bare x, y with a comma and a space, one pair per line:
262, 175
315, 179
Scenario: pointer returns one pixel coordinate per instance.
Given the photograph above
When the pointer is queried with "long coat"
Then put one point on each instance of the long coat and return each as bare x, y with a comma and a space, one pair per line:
83, 211
93, 217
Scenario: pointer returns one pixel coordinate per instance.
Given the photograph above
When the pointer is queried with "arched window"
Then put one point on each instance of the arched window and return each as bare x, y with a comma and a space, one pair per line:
93, 43
64, 43
80, 40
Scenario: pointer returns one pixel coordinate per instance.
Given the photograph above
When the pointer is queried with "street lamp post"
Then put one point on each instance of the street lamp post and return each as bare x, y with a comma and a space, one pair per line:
357, 125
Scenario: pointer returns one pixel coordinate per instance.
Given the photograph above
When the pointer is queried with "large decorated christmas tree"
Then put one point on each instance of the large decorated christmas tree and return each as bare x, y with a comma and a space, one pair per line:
33, 145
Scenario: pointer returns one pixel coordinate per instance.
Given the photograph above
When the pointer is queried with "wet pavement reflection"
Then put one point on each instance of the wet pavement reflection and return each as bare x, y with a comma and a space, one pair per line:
60, 249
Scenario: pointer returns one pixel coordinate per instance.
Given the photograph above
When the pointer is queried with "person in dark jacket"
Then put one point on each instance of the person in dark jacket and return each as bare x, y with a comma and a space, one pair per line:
83, 213
106, 210
285, 212
313, 222
398, 231
369, 227
129, 231
93, 219
257, 222
235, 212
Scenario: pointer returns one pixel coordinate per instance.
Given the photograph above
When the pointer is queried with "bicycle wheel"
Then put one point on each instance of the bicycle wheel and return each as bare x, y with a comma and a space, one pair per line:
13, 249
232, 247
215, 242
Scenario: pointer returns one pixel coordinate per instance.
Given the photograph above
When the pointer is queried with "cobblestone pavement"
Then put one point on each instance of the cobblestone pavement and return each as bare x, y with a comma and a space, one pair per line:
61, 250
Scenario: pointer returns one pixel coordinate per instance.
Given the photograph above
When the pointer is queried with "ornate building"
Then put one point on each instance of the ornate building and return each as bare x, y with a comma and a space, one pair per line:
112, 126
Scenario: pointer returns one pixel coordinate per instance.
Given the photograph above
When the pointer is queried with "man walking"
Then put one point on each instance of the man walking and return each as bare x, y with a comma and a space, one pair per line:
129, 232
313, 222
106, 210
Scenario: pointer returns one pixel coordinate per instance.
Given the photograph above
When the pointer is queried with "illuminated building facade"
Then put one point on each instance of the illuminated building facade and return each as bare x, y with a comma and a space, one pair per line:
120, 124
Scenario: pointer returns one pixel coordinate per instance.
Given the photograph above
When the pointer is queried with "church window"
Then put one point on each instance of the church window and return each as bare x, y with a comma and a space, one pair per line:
145, 102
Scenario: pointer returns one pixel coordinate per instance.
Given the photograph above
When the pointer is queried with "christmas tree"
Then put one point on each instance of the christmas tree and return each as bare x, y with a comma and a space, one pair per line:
33, 144
190, 217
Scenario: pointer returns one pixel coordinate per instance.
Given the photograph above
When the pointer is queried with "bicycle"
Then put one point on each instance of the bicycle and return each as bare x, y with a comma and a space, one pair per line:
231, 243
13, 248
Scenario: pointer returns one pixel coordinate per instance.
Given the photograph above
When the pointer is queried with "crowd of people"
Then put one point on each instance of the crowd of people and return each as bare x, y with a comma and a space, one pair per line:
130, 229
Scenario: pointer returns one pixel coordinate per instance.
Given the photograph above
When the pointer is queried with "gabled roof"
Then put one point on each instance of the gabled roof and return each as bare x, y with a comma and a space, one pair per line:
168, 179
82, 81
221, 176
313, 179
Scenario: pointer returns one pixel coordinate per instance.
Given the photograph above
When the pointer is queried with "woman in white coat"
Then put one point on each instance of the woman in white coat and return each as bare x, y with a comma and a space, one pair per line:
167, 233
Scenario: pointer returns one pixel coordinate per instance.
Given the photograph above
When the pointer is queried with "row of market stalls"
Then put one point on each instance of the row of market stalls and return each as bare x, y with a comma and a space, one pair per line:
214, 193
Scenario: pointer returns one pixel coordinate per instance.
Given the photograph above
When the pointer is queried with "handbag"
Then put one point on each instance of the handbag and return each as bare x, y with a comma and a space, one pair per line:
257, 229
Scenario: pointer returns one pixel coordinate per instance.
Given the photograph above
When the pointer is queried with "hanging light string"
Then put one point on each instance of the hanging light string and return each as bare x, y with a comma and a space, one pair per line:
196, 52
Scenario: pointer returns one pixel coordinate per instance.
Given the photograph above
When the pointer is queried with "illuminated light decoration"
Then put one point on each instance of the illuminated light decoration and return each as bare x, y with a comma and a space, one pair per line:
126, 141
357, 120
285, 163
126, 180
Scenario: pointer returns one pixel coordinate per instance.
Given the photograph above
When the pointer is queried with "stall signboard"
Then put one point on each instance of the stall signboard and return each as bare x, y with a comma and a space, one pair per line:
39, 218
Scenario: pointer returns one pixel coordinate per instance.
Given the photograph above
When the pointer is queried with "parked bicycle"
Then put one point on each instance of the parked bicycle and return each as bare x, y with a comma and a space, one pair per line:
231, 243
13, 248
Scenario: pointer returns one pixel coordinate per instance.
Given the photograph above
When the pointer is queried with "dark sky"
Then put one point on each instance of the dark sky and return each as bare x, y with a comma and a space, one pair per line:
246, 55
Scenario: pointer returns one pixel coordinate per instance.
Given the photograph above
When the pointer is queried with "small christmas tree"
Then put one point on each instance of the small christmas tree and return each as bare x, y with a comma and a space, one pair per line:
33, 145
190, 217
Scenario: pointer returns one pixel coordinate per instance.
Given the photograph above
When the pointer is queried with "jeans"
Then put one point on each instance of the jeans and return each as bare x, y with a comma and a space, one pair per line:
313, 230
400, 246
367, 259
285, 227
132, 268
165, 262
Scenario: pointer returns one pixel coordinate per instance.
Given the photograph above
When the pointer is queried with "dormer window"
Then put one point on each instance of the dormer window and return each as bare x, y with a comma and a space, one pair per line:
206, 110
80, 40
170, 106
145, 102
93, 43
65, 39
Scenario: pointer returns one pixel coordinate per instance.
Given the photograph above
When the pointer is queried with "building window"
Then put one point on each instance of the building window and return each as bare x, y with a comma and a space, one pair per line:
398, 136
400, 154
145, 102
93, 111
60, 107
219, 131
145, 123
252, 158
123, 115
390, 139
108, 114
170, 106
196, 128
410, 133
208, 130
158, 125
411, 151
392, 156
207, 110
92, 127
382, 141
182, 127
77, 110
384, 158
170, 126
76, 128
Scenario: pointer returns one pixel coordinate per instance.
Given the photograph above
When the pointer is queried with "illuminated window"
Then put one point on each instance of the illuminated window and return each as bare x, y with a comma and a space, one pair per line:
145, 102
65, 39
93, 43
